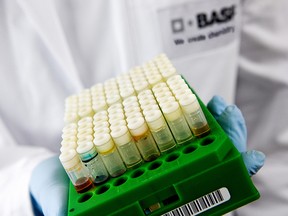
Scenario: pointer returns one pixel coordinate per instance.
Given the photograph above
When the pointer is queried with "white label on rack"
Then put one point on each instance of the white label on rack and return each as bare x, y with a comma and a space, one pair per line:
202, 204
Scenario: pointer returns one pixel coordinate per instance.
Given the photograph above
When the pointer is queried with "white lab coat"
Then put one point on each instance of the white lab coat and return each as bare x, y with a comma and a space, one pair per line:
52, 49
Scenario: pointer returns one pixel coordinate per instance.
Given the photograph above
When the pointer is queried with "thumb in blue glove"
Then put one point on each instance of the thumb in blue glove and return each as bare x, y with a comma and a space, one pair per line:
49, 186
232, 121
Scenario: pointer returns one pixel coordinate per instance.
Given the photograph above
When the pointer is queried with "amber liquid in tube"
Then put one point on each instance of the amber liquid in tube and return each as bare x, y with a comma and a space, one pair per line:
83, 184
143, 141
194, 115
201, 131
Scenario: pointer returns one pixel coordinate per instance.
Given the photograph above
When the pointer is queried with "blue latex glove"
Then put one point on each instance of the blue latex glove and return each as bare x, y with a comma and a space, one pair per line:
232, 121
49, 187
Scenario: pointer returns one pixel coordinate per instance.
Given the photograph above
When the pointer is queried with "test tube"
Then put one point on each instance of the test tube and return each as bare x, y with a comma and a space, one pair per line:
176, 122
109, 154
84, 122
168, 71
132, 109
181, 92
99, 105
84, 139
174, 79
129, 100
194, 115
145, 93
113, 99
126, 146
114, 107
154, 79
160, 130
117, 123
149, 106
84, 133
101, 124
68, 145
100, 130
70, 128
126, 92
116, 116
143, 138
76, 171
92, 160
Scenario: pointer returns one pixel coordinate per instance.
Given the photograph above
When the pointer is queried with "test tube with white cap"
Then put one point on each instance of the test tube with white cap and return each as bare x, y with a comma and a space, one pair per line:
76, 171
113, 98
132, 109
68, 145
140, 85
100, 116
116, 116
84, 139
116, 123
84, 122
70, 127
160, 130
68, 134
143, 137
126, 146
149, 106
99, 105
129, 100
101, 130
174, 79
154, 79
109, 154
93, 162
126, 92
176, 121
84, 132
194, 115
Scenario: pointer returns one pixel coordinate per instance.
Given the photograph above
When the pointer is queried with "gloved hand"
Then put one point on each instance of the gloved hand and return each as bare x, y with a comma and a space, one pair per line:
232, 121
48, 188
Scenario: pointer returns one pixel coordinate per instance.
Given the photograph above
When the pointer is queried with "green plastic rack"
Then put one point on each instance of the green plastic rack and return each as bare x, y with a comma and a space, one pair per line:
206, 176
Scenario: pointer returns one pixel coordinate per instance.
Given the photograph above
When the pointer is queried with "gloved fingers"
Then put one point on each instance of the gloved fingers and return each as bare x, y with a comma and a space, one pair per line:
49, 186
233, 123
216, 106
253, 160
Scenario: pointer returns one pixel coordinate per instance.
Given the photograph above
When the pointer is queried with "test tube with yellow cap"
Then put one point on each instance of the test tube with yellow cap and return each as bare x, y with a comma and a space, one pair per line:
76, 171
109, 154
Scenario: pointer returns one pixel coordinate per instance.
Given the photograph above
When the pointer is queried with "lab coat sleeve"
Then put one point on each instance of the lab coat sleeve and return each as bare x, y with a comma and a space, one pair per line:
262, 94
16, 166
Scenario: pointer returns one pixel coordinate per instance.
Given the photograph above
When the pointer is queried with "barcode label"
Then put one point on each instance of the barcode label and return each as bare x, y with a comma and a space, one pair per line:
202, 204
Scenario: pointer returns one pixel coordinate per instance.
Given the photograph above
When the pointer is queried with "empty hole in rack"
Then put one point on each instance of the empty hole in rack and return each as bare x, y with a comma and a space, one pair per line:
137, 173
85, 197
72, 210
155, 165
189, 149
172, 157
102, 189
208, 141
120, 181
